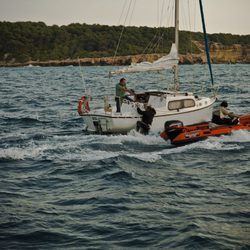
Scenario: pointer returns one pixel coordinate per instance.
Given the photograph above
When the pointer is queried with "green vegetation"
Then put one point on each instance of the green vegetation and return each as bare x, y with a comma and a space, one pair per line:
24, 41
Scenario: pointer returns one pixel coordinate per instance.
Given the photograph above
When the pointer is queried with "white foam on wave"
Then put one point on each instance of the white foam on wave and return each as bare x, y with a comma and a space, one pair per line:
16, 153
237, 136
12, 153
134, 137
31, 150
76, 147
147, 157
152, 138
86, 155
212, 143
14, 135
67, 151
209, 144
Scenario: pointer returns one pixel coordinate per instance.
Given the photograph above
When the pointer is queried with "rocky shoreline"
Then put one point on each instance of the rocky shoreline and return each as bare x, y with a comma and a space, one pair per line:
219, 55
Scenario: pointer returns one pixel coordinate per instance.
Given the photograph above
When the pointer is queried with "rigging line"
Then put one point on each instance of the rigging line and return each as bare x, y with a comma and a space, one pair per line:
159, 35
123, 9
80, 69
147, 49
157, 44
119, 21
190, 26
167, 22
170, 16
154, 42
150, 45
132, 12
170, 20
167, 10
183, 17
169, 13
162, 13
189, 15
158, 16
119, 41
195, 13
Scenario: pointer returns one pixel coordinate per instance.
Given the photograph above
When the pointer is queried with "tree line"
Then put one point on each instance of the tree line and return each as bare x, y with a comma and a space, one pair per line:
24, 41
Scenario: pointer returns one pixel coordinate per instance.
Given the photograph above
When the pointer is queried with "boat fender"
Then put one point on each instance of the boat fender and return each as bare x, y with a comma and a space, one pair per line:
83, 105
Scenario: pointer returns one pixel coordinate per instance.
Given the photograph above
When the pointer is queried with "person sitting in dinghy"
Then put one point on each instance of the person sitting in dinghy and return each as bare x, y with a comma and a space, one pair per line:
120, 92
143, 126
222, 116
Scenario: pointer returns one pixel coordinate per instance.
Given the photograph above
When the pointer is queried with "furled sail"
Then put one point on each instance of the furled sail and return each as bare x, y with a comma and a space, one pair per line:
165, 62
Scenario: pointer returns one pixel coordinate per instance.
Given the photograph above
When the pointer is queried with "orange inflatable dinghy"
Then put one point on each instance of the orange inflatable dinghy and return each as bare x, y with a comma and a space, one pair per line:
181, 135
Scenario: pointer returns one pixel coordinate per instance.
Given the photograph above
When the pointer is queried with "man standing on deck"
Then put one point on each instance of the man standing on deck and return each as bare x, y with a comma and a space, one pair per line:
120, 94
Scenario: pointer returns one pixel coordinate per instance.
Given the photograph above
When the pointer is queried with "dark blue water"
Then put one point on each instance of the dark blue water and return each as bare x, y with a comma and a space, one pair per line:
61, 188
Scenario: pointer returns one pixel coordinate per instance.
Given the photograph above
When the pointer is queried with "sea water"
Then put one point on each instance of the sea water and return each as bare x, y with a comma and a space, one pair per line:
61, 188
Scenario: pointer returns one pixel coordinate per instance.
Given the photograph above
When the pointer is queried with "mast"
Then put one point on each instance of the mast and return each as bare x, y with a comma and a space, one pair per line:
206, 42
176, 80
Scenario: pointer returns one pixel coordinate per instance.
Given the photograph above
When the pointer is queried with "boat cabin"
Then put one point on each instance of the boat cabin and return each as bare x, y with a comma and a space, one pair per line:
171, 100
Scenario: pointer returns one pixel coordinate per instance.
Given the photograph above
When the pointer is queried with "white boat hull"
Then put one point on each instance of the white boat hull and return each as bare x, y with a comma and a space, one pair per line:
101, 122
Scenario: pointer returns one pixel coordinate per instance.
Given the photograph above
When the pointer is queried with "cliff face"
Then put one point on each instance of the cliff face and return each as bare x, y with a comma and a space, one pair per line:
219, 54
230, 54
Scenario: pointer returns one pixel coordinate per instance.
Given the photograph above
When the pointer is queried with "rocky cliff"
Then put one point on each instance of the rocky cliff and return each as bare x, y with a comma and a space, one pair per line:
219, 54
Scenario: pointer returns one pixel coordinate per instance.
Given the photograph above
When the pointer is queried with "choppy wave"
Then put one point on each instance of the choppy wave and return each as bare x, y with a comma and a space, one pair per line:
62, 188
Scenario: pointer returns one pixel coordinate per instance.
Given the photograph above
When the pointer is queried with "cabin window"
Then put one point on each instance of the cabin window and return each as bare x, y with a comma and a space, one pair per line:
188, 103
175, 105
180, 104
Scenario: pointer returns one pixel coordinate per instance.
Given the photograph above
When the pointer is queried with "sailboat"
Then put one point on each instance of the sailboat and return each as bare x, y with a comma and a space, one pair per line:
169, 105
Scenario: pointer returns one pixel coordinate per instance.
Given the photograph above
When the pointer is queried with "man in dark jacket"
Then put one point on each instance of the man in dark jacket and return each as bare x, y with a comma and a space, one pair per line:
143, 126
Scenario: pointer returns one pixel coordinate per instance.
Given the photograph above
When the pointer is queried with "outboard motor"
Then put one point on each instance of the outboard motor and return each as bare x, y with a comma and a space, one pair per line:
173, 128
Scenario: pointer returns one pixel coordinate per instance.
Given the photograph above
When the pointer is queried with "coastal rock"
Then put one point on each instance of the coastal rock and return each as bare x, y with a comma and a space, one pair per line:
219, 54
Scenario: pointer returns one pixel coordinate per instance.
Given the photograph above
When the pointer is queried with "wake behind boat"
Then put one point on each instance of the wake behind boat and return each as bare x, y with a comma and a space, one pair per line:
169, 105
